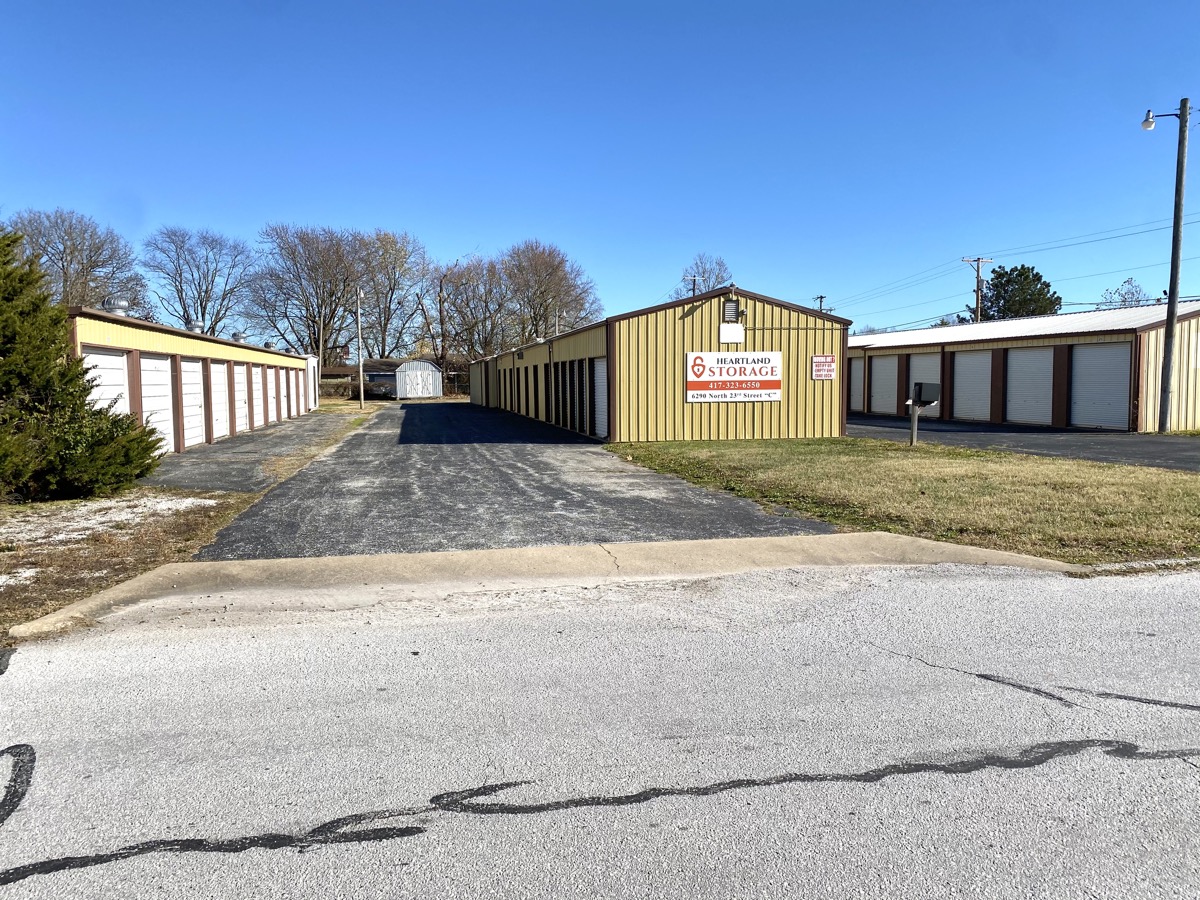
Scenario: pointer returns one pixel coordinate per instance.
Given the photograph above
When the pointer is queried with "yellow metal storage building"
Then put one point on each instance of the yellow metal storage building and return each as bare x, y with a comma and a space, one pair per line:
191, 388
725, 365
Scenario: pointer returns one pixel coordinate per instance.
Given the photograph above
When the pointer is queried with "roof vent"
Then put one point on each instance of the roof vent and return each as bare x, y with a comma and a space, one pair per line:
118, 306
240, 337
195, 326
270, 345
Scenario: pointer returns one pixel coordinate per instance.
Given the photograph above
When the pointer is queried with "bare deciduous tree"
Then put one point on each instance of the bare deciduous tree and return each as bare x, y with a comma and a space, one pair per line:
305, 289
198, 276
85, 263
394, 270
548, 292
706, 273
1130, 293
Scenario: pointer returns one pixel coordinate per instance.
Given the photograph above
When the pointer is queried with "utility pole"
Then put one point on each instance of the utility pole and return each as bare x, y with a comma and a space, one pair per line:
1168, 358
694, 278
358, 310
820, 298
977, 262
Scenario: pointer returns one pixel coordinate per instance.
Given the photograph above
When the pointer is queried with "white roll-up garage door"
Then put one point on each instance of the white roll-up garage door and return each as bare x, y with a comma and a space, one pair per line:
260, 396
1029, 391
272, 395
856, 384
883, 384
241, 401
1100, 385
297, 394
600, 396
109, 375
158, 398
285, 395
973, 385
191, 382
926, 368
219, 391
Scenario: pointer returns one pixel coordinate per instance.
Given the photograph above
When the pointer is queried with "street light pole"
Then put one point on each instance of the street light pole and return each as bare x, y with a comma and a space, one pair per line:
358, 310
1168, 360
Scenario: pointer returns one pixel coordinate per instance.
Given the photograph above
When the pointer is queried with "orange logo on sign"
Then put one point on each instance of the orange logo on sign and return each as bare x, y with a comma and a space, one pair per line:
698, 366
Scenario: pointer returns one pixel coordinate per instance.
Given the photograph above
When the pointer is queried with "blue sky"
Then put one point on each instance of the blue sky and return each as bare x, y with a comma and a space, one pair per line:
819, 148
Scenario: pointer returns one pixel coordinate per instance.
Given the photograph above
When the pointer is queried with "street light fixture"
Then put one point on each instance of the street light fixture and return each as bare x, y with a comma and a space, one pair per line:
1168, 361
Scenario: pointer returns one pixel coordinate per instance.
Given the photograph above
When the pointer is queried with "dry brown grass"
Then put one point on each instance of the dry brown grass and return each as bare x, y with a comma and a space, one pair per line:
66, 570
69, 570
1076, 511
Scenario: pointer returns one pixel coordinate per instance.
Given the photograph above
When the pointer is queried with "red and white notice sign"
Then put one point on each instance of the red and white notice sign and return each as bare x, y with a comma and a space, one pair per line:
824, 367
734, 377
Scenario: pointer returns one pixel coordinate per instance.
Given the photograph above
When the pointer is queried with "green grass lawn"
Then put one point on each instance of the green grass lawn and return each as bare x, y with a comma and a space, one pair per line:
1071, 510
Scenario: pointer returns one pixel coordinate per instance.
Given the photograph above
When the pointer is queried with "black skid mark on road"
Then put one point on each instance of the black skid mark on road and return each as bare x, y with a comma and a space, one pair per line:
1025, 758
467, 802
984, 676
333, 832
19, 778
1106, 695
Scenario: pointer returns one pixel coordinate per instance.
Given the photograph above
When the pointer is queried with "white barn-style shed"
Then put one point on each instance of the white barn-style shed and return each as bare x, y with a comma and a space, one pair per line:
418, 378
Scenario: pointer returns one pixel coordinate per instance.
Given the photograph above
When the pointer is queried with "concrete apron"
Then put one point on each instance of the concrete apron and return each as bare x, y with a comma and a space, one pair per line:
493, 570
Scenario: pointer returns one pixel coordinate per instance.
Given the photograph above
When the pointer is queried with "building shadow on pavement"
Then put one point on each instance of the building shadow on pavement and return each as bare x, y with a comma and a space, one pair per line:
466, 423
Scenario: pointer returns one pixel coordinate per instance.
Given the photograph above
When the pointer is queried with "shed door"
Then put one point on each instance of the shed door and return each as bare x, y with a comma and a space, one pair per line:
1100, 385
883, 384
856, 384
109, 374
260, 397
191, 376
297, 400
158, 399
973, 385
600, 396
241, 401
925, 368
272, 394
1030, 388
219, 391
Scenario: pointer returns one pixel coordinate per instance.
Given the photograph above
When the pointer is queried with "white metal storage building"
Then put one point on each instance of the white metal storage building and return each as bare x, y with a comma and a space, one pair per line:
418, 378
1097, 369
190, 388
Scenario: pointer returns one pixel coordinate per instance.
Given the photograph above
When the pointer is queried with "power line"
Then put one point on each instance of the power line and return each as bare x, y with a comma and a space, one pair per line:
881, 290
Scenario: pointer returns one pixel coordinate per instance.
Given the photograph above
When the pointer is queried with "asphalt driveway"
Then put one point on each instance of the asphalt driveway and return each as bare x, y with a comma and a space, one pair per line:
1165, 451
453, 476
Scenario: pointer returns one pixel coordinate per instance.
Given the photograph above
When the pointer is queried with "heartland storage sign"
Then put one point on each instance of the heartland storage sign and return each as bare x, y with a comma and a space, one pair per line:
728, 377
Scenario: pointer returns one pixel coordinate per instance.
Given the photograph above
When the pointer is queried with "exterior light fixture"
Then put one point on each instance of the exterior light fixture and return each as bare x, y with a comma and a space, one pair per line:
1148, 122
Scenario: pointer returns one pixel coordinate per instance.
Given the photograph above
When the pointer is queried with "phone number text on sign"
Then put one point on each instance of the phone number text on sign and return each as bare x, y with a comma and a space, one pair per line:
734, 377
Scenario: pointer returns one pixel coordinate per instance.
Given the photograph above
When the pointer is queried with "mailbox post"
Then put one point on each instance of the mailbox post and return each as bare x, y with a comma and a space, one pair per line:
924, 393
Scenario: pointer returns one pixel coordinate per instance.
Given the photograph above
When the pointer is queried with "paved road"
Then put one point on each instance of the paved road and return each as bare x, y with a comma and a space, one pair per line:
848, 733
1164, 451
451, 476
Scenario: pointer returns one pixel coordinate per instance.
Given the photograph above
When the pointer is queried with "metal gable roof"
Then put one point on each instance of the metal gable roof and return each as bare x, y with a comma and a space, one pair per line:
1099, 320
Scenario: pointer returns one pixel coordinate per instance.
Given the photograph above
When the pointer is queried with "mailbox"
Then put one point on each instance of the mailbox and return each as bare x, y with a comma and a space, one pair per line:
926, 393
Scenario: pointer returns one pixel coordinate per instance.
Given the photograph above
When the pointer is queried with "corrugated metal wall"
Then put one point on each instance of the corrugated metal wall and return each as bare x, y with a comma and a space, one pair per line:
649, 362
102, 333
1185, 396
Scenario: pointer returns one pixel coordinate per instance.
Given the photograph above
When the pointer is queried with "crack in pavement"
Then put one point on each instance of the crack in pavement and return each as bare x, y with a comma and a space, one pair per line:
984, 676
466, 802
611, 556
